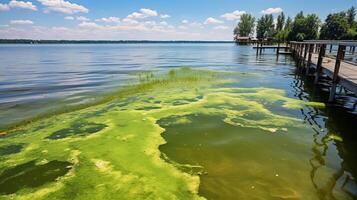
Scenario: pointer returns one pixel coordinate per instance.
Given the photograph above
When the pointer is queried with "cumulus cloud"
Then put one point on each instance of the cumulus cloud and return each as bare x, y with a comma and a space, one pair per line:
109, 20
164, 16
185, 21
148, 12
130, 21
22, 4
4, 7
89, 25
82, 19
143, 13
272, 10
21, 22
235, 15
212, 21
63, 6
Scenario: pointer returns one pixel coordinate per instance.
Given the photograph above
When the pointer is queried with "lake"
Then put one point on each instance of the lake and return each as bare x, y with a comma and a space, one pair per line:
169, 121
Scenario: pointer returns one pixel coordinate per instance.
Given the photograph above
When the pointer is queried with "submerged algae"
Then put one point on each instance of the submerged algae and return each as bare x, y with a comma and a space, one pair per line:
124, 159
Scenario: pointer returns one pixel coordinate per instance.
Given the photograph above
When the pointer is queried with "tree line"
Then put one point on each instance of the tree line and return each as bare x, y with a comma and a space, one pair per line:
337, 26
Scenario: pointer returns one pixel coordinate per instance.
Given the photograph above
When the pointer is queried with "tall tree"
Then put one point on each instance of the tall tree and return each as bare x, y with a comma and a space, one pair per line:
304, 28
288, 24
312, 25
336, 27
245, 26
280, 22
265, 27
282, 35
351, 16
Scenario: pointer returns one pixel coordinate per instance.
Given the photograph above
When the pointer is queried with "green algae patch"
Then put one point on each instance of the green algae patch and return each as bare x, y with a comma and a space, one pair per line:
77, 129
10, 149
30, 175
113, 144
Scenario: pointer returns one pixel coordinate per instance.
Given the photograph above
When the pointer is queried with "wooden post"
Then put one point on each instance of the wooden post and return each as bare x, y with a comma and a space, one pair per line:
330, 48
311, 49
305, 53
301, 54
257, 48
353, 50
319, 62
277, 50
340, 56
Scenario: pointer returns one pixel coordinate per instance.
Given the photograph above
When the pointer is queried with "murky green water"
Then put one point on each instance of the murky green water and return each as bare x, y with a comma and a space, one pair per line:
187, 134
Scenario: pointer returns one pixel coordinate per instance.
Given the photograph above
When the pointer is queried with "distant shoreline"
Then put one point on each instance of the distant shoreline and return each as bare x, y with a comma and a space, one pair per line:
27, 41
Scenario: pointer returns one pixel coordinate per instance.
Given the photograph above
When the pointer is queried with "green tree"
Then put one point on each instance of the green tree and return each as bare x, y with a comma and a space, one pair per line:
280, 22
351, 16
245, 27
304, 28
265, 27
288, 24
335, 27
282, 35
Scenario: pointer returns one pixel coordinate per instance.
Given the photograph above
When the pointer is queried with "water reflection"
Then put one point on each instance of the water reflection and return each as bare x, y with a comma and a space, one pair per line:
328, 139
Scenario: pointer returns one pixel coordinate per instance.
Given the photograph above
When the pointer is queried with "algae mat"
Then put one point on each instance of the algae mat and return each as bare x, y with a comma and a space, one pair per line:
111, 149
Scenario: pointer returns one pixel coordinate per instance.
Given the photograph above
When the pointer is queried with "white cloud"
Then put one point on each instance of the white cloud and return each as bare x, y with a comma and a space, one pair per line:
113, 32
89, 25
164, 16
22, 4
212, 20
82, 19
130, 21
196, 25
235, 15
21, 22
4, 7
148, 12
220, 27
63, 6
143, 13
185, 21
272, 10
69, 18
164, 23
109, 20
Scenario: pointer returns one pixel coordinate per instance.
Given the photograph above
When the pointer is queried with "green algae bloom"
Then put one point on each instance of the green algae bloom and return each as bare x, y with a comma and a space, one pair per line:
109, 148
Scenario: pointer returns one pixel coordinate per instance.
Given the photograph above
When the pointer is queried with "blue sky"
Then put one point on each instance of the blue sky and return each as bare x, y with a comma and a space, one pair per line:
144, 19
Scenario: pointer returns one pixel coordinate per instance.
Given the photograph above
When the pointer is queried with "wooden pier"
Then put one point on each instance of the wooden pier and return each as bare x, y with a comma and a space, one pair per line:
313, 59
278, 48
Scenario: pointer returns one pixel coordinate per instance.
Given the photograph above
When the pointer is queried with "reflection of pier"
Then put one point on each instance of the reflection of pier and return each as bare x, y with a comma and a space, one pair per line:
341, 179
312, 59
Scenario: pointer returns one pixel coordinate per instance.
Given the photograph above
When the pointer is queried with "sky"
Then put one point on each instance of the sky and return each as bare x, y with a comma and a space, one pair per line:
144, 19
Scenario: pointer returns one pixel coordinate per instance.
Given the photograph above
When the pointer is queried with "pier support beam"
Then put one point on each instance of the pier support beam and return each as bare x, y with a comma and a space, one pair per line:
306, 47
340, 56
308, 65
322, 50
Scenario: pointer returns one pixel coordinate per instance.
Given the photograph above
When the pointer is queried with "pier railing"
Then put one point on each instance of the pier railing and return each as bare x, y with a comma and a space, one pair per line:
333, 58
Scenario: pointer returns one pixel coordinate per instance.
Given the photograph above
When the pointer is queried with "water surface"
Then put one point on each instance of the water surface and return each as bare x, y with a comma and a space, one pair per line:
252, 133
